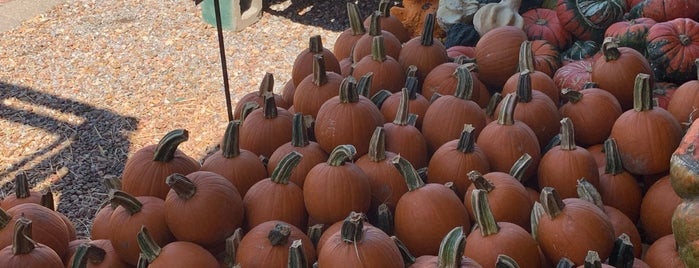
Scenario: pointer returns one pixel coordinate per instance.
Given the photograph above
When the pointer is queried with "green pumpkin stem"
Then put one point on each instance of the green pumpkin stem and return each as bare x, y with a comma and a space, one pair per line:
610, 49
297, 255
377, 145
231, 247
622, 252
526, 57
507, 110
411, 176
613, 164
493, 104
230, 146
166, 148
315, 44
348, 91
47, 200
5, 218
22, 242
127, 201
553, 142
590, 84
567, 135
384, 219
504, 261
279, 235
521, 166
380, 97
524, 86
537, 213
314, 232
183, 186
375, 24
267, 85
248, 107
427, 39
588, 192
592, 260
403, 108
320, 77
464, 84
355, 19
408, 258
111, 182
341, 154
270, 106
412, 120
352, 228
142, 261
363, 86
484, 216
565, 263
385, 8
642, 93
552, 203
467, 140
451, 249
411, 71
479, 181
378, 49
149, 248
411, 85
88, 252
22, 185
573, 96
299, 136
286, 166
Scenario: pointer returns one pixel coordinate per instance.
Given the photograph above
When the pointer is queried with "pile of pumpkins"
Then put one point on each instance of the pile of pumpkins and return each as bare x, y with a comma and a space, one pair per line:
563, 138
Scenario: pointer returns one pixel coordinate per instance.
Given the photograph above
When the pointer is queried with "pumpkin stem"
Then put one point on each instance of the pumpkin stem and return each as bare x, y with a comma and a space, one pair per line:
507, 110
520, 166
142, 262
411, 84
286, 166
88, 252
149, 248
464, 84
352, 228
588, 192
377, 145
411, 71
427, 38
230, 147
479, 181
537, 213
467, 140
403, 108
270, 106
127, 201
685, 40
572, 95
451, 249
375, 23
364, 85
592, 260
21, 185
165, 151
412, 178
4, 218
642, 93
378, 49
315, 44
231, 247
565, 263
504, 261
299, 137
279, 235
267, 84
380, 97
22, 242
314, 232
567, 135
320, 77
493, 104
613, 164
112, 182
622, 252
610, 49
341, 154
590, 84
47, 200
297, 255
552, 203
484, 216
355, 19
384, 219
248, 107
526, 58
384, 8
412, 119
183, 186
524, 86
408, 258
348, 90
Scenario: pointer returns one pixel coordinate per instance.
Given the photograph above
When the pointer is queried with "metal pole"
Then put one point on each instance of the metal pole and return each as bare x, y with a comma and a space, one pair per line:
222, 51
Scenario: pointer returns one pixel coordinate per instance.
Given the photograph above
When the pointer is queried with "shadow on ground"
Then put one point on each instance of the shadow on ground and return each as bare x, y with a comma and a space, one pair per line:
327, 14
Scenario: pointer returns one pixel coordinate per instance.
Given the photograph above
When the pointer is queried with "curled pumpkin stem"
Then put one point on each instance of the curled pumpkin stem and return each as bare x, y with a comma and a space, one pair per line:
166, 148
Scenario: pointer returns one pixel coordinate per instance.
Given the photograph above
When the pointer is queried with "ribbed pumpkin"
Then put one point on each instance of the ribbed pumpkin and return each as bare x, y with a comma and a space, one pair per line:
24, 252
387, 73
665, 10
592, 111
543, 24
547, 58
177, 253
636, 127
672, 48
267, 245
145, 171
303, 66
363, 46
587, 19
417, 210
345, 40
685, 100
317, 88
241, 167
631, 33
497, 53
423, 51
402, 131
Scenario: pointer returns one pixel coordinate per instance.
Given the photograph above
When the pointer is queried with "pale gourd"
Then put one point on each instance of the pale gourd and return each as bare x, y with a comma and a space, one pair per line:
493, 15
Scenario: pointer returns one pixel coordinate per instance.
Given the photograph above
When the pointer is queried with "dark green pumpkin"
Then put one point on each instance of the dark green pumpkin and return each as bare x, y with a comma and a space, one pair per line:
580, 50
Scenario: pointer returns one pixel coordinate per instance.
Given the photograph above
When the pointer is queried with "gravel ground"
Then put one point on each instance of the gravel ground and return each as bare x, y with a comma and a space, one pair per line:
90, 82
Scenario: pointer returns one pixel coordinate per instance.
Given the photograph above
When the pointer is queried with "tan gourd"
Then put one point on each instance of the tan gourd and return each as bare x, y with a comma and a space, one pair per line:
494, 15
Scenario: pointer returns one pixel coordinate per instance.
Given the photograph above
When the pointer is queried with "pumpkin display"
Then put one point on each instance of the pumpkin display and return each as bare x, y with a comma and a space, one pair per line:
418, 208
539, 80
387, 73
389, 22
356, 246
672, 49
424, 51
316, 88
270, 119
631, 33
193, 198
452, 161
587, 19
145, 171
617, 69
363, 46
267, 245
345, 40
665, 10
303, 66
644, 123
451, 253
266, 87
241, 167
543, 24
492, 238
573, 75
497, 53
402, 131
176, 253
22, 193
24, 252
683, 106
348, 118
571, 227
590, 127
657, 207
617, 187
493, 15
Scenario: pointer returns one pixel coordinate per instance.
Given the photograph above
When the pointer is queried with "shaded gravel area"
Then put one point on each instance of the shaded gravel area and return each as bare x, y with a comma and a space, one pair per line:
85, 85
